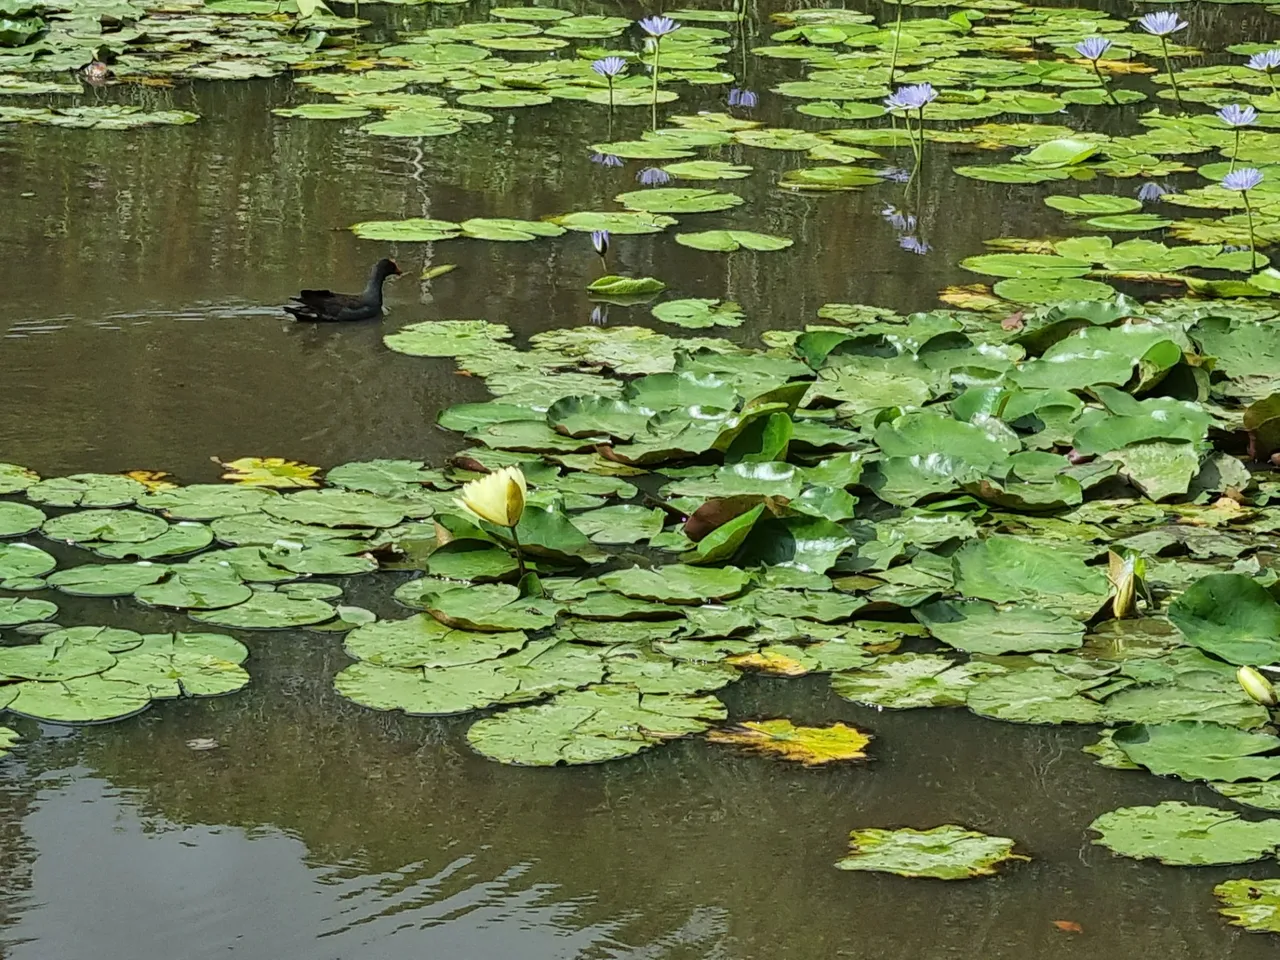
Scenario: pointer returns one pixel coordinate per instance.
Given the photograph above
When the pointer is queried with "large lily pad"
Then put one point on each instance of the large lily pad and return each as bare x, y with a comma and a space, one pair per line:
978, 627
1183, 835
678, 583
1230, 616
422, 641
268, 611
602, 722
948, 852
1200, 751
24, 560
912, 680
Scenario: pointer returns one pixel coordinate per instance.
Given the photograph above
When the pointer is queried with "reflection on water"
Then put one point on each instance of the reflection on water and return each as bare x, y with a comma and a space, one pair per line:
138, 330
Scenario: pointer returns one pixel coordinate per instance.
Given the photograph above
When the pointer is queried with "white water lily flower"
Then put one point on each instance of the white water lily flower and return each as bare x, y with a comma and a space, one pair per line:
497, 497
1257, 686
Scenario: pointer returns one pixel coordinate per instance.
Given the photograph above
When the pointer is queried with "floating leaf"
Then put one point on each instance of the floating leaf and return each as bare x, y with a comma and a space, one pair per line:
1182, 835
274, 472
727, 241
1252, 904
811, 746
698, 313
944, 853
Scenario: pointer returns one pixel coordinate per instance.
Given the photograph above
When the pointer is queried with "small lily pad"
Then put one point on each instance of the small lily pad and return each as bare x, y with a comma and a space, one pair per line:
948, 852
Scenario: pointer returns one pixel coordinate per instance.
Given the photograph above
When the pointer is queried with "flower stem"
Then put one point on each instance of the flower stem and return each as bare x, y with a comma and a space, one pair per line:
915, 147
920, 153
1272, 79
897, 37
519, 554
610, 94
1253, 246
657, 55
1103, 83
1235, 151
1173, 80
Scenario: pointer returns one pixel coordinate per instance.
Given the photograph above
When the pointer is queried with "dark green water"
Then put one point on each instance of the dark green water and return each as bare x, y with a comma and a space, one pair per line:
138, 330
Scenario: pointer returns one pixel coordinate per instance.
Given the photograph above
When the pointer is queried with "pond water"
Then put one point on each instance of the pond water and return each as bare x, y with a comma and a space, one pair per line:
139, 330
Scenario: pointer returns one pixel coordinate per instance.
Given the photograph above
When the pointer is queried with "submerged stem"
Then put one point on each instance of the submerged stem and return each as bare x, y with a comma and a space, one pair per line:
515, 538
657, 55
1235, 151
897, 37
1253, 245
1173, 79
1103, 83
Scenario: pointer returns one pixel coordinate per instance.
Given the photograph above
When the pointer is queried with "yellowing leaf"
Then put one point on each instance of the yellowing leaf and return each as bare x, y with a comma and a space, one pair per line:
811, 746
270, 472
153, 480
974, 296
770, 663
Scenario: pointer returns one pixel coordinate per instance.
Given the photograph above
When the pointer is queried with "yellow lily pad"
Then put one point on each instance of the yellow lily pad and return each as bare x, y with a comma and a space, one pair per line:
270, 472
812, 746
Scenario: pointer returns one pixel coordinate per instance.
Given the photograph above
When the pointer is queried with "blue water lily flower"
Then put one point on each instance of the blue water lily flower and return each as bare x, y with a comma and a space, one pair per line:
609, 66
915, 96
1162, 24
1243, 180
1266, 61
600, 240
1149, 192
914, 245
1092, 48
599, 315
653, 177
746, 99
658, 26
606, 159
1235, 115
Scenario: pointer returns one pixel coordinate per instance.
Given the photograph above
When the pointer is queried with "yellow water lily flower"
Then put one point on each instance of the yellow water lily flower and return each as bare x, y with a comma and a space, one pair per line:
1257, 686
497, 497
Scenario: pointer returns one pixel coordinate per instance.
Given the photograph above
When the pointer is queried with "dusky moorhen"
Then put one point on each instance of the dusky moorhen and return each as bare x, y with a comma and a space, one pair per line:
327, 306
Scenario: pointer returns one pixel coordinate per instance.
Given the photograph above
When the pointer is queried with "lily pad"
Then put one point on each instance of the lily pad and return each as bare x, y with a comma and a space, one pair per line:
107, 579
23, 560
603, 722
727, 241
1252, 904
1200, 751
948, 852
94, 699
912, 680
15, 611
1230, 616
811, 746
699, 313
1183, 835
19, 519
268, 611
978, 627
678, 583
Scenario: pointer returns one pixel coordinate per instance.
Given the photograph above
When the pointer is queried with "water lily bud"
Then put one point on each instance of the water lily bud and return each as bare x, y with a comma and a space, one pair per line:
1257, 686
497, 497
1123, 574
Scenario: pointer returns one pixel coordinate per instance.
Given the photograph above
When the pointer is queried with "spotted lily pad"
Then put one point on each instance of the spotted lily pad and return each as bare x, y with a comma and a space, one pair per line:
948, 852
1252, 904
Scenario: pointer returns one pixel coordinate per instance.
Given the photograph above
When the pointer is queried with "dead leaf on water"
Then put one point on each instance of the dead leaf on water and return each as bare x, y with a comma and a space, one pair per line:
153, 480
769, 662
269, 472
1069, 926
812, 746
438, 271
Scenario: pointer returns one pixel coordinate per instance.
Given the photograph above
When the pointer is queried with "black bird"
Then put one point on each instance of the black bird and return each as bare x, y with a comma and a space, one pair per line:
327, 306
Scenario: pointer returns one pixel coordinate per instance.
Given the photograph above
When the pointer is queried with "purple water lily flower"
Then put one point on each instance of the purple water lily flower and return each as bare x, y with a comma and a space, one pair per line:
894, 175
914, 96
658, 26
653, 177
746, 99
1162, 24
1092, 48
599, 315
600, 240
914, 245
609, 67
1150, 192
1235, 115
1266, 61
606, 159
1243, 180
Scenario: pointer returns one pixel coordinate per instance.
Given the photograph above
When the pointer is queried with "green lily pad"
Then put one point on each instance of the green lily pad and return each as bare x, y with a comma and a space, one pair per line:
195, 588
171, 665
23, 560
7, 739
616, 222
422, 641
1093, 204
322, 111
727, 241
42, 661
679, 200
1230, 616
1200, 751
600, 723
698, 313
1006, 569
615, 286
415, 230
480, 228
1036, 695
113, 526
111, 639
425, 692
15, 479
1182, 835
268, 611
678, 583
15, 611
86, 490
491, 608
707, 170
447, 338
107, 579
979, 627
336, 508
19, 519
94, 699
207, 501
179, 539
944, 853
909, 680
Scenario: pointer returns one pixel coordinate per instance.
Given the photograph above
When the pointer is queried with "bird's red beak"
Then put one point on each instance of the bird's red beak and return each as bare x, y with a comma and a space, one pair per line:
396, 268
